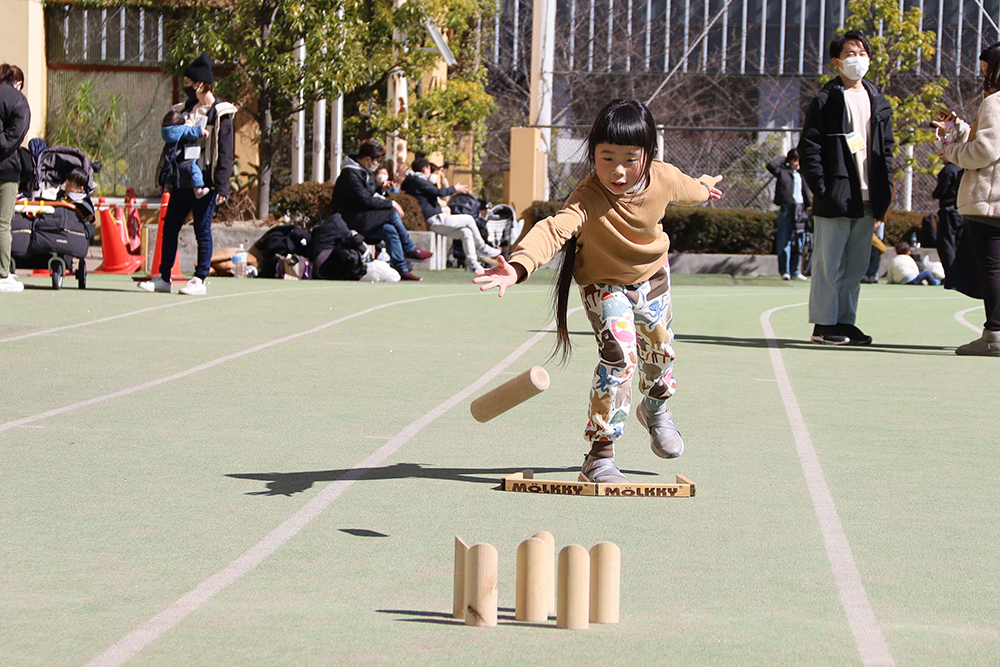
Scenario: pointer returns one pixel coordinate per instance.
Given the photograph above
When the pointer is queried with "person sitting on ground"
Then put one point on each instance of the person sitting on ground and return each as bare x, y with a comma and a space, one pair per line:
462, 227
356, 198
74, 191
904, 269
174, 130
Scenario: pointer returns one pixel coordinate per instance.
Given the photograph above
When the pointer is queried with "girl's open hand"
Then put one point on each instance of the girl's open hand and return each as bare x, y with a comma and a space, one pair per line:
502, 276
713, 192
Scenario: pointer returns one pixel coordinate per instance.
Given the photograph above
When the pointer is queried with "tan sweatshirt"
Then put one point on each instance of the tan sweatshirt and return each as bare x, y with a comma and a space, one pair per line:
620, 240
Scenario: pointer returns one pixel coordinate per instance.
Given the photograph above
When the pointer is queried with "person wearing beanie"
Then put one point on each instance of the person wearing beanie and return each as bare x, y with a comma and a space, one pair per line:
204, 110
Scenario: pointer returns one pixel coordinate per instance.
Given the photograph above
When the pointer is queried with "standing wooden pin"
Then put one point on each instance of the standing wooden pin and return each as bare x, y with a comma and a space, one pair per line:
513, 392
531, 603
458, 591
573, 604
550, 568
481, 586
605, 582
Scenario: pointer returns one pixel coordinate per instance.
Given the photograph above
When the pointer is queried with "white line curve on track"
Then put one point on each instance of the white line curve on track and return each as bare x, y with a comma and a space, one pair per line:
864, 626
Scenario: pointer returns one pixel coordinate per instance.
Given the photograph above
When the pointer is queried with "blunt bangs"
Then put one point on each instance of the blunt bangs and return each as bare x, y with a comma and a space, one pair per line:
624, 123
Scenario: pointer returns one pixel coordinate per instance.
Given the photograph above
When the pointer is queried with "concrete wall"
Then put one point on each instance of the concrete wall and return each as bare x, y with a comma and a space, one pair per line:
23, 44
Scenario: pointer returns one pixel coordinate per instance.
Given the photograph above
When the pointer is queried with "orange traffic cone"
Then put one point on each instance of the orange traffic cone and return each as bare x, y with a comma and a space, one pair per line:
175, 271
116, 257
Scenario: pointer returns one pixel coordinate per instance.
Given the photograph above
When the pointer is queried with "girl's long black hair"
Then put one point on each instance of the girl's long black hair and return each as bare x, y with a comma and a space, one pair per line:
620, 123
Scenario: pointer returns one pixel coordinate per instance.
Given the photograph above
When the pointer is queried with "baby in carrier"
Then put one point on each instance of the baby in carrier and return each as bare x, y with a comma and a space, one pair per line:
179, 136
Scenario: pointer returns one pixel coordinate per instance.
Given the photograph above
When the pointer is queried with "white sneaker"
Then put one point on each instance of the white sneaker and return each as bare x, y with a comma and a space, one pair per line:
489, 251
799, 276
194, 287
155, 284
11, 284
785, 276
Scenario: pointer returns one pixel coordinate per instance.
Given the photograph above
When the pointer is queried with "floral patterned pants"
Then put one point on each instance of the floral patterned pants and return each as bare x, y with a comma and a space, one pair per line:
632, 326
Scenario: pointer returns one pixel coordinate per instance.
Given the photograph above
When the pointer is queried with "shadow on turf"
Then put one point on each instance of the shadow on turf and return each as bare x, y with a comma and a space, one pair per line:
287, 483
796, 344
444, 618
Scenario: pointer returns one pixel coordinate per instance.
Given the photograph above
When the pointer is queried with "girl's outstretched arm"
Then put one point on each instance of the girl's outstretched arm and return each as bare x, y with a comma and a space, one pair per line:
502, 276
713, 192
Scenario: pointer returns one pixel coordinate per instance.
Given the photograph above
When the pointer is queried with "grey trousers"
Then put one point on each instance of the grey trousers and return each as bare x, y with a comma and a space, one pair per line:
8, 196
841, 252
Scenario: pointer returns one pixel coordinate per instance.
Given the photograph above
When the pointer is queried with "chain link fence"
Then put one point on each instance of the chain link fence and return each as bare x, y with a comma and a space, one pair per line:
739, 154
106, 92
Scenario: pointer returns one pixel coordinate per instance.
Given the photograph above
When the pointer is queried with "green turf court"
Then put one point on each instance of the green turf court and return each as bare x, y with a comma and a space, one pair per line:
274, 475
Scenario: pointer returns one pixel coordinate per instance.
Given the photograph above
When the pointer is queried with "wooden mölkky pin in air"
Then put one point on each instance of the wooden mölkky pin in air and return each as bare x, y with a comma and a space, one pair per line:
513, 392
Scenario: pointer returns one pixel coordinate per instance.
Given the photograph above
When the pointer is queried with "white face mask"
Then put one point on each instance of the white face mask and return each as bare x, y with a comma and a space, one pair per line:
77, 196
855, 67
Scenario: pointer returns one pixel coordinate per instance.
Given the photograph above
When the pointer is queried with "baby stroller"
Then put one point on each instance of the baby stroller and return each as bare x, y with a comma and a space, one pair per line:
502, 227
49, 234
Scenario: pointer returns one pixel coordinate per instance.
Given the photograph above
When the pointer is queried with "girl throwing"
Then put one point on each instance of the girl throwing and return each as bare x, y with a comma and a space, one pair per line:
615, 248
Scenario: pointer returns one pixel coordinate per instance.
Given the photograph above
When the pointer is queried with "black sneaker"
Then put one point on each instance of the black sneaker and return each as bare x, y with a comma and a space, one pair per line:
828, 334
855, 335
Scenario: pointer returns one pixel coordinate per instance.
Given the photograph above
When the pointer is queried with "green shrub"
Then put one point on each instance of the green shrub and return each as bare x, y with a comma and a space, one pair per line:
735, 231
306, 203
900, 225
720, 230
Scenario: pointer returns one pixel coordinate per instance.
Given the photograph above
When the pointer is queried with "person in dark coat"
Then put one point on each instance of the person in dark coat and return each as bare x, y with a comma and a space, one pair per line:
950, 221
791, 195
215, 158
846, 155
357, 199
15, 117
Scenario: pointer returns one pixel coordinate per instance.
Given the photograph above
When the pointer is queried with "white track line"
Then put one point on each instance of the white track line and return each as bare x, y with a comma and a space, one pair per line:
210, 364
181, 302
138, 639
853, 598
960, 318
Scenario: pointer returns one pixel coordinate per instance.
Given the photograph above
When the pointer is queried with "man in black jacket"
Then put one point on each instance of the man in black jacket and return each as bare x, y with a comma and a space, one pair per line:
15, 117
463, 227
792, 197
357, 199
846, 155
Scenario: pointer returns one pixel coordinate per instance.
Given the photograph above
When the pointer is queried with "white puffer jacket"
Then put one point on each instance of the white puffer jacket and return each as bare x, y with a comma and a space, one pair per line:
979, 192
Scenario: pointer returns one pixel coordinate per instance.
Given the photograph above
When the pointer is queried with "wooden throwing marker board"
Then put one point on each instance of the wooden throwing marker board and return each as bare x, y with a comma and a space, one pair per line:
525, 482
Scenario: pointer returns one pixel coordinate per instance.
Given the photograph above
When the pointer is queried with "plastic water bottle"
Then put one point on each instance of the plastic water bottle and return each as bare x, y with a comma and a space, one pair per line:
240, 263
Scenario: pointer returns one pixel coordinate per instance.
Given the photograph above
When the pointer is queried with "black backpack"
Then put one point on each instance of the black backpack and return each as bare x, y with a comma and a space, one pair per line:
338, 253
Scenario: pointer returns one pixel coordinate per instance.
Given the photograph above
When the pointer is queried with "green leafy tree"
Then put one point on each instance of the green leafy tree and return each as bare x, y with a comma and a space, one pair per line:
898, 47
348, 43
93, 122
436, 117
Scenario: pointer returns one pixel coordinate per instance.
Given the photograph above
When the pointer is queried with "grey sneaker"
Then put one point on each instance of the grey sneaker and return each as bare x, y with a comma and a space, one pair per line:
664, 437
155, 284
603, 471
988, 345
